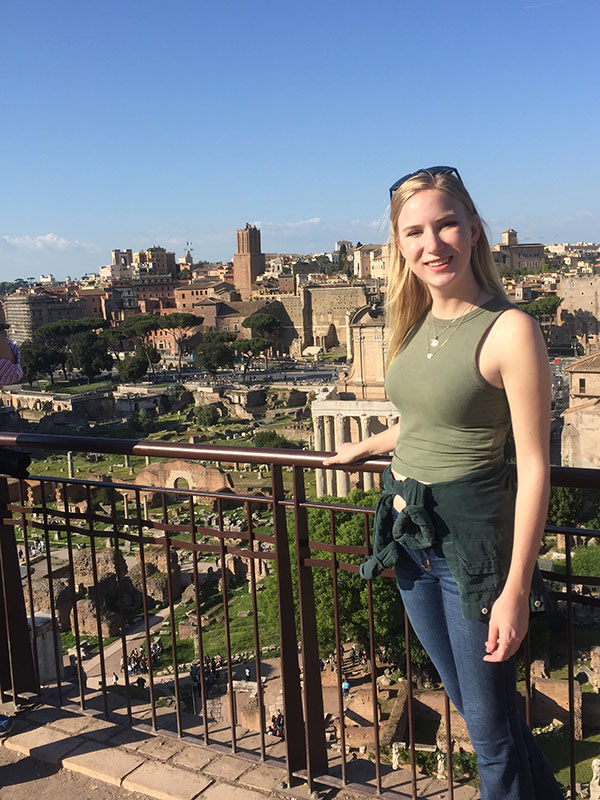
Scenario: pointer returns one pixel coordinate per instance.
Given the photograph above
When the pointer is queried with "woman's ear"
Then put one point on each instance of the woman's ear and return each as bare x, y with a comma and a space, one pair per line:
397, 240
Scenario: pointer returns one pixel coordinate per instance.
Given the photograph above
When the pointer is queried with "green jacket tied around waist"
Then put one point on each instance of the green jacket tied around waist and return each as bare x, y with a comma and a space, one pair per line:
471, 518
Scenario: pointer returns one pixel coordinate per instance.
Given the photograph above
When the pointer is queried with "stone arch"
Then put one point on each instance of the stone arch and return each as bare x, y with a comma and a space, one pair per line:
195, 476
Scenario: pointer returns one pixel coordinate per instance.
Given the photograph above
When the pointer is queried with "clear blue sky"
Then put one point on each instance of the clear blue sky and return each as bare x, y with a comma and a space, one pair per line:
140, 122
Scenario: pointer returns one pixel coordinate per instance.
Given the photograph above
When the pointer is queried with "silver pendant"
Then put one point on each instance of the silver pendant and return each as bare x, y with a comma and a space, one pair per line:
429, 355
434, 342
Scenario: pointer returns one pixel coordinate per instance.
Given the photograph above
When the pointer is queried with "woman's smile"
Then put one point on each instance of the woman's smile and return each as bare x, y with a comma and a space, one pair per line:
439, 264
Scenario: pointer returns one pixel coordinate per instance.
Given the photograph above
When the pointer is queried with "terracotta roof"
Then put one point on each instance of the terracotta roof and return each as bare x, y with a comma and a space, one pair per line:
586, 364
587, 404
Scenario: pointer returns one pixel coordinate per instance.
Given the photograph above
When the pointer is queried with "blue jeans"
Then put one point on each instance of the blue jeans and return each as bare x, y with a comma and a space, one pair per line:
511, 765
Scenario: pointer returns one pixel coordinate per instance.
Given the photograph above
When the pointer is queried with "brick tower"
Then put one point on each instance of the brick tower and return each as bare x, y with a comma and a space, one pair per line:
248, 262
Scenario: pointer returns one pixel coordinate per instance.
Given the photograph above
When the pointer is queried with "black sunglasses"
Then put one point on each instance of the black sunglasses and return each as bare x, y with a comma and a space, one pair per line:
430, 170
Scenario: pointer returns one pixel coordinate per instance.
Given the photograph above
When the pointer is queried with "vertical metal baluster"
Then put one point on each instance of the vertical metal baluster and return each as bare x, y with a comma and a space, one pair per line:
527, 654
410, 707
138, 508
199, 623
295, 732
338, 641
24, 523
11, 649
117, 560
259, 689
58, 656
316, 748
167, 536
571, 657
448, 747
80, 670
373, 666
231, 694
97, 603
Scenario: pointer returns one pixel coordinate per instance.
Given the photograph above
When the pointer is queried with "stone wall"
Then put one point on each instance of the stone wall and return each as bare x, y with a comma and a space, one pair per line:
580, 443
165, 474
550, 700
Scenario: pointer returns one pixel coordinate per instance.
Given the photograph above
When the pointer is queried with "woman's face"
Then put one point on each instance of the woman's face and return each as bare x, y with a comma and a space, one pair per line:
435, 234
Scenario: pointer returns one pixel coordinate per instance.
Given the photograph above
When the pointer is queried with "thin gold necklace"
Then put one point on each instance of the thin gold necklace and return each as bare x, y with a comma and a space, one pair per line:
434, 341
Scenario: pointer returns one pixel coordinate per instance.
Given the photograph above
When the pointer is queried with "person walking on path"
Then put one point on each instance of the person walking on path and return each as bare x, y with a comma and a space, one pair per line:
464, 365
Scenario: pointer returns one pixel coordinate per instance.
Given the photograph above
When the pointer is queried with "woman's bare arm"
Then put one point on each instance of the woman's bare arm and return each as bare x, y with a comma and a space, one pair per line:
523, 361
375, 445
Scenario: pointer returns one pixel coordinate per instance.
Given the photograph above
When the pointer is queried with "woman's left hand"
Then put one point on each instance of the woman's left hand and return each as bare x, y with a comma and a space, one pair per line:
508, 625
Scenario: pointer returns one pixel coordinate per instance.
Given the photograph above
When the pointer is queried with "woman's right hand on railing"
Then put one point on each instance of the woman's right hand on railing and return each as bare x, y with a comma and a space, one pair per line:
346, 454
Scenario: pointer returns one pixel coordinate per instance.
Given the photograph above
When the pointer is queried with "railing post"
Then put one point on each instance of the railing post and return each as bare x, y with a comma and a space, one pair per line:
17, 671
316, 747
290, 674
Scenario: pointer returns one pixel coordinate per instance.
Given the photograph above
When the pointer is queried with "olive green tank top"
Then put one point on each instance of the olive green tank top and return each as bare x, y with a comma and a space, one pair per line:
452, 421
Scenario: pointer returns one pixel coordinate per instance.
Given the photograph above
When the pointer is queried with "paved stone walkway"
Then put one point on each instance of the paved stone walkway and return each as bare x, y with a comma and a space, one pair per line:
169, 768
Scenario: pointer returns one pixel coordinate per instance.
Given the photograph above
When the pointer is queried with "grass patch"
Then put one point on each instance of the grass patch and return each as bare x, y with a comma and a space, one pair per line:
556, 750
77, 386
213, 636
67, 640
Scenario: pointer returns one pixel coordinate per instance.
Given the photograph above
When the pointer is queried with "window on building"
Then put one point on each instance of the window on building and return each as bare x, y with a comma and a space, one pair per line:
581, 385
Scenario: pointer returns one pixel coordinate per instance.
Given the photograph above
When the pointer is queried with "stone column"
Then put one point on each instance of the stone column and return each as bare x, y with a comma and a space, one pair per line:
319, 445
365, 432
342, 478
126, 515
329, 445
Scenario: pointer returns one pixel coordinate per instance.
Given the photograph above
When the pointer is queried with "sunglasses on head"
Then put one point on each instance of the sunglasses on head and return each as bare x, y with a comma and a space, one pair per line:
431, 170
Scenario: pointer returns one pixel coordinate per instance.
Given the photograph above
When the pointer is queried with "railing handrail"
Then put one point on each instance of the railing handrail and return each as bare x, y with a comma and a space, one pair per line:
180, 450
573, 477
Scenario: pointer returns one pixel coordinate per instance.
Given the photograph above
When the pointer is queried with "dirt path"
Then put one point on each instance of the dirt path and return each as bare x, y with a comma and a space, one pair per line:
23, 777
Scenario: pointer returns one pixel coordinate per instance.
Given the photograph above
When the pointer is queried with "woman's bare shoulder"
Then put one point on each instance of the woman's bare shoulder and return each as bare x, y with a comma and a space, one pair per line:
514, 323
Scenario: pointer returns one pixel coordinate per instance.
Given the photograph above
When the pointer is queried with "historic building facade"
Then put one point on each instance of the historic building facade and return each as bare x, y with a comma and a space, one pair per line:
358, 406
249, 261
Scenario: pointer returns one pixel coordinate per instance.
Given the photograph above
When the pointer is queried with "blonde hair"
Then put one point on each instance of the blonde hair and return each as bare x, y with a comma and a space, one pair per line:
407, 298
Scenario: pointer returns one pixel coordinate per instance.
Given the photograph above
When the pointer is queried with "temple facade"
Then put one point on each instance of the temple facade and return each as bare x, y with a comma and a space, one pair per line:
358, 405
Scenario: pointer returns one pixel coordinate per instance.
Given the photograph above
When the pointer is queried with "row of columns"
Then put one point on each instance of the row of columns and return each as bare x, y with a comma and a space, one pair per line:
332, 430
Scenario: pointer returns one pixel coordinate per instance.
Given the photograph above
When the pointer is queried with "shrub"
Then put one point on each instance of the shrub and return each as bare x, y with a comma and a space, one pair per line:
207, 415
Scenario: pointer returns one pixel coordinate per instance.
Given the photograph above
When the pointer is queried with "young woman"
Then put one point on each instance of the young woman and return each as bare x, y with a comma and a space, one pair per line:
464, 364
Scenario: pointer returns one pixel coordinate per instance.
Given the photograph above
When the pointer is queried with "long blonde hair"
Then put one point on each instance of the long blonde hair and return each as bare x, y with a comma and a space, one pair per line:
407, 298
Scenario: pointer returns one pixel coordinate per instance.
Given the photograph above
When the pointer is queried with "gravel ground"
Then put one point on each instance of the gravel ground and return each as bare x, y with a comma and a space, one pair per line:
23, 777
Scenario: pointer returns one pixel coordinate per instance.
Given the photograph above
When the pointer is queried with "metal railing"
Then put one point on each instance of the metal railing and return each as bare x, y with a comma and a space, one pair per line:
67, 508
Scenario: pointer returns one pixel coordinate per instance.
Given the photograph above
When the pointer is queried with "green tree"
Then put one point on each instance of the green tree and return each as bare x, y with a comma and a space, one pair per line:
138, 329
143, 421
215, 351
8, 287
39, 359
207, 415
185, 274
271, 439
566, 506
88, 353
180, 326
132, 368
115, 341
56, 335
542, 307
249, 349
263, 326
